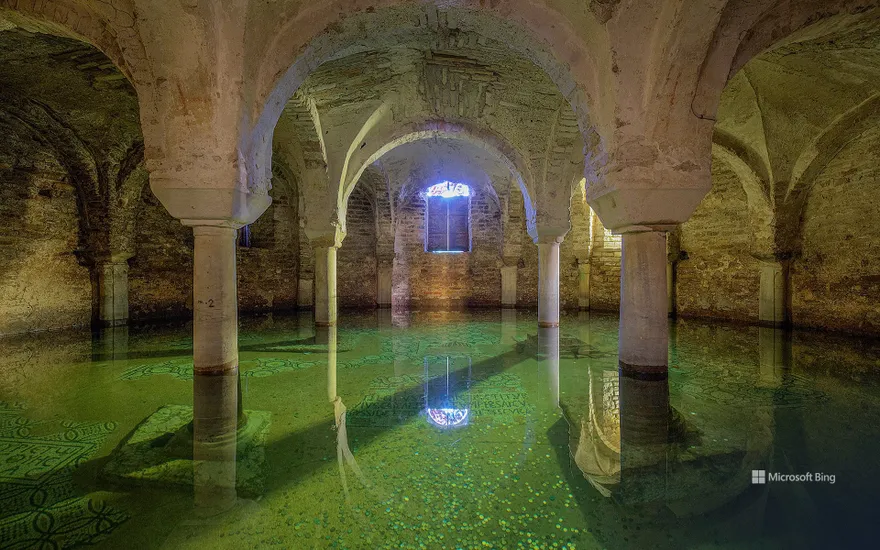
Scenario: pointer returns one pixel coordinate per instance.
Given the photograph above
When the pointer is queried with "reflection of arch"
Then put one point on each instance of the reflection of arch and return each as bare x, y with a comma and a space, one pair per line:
524, 26
487, 140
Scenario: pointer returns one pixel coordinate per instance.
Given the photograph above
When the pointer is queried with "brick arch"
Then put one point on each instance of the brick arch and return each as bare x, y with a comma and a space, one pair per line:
747, 28
529, 27
416, 131
112, 33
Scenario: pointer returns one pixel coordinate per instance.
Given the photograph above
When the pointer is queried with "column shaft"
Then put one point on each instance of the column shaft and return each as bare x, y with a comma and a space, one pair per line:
584, 285
644, 330
383, 285
508, 286
773, 295
215, 365
325, 286
548, 284
113, 293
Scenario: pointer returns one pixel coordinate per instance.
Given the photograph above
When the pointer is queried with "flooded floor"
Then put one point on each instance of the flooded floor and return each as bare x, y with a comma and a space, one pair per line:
444, 430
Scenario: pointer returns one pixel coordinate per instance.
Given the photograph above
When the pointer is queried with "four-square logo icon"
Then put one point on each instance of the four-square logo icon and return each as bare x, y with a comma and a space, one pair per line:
759, 477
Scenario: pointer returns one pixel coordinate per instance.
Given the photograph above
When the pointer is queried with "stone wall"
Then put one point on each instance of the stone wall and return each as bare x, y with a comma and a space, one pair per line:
356, 259
836, 282
431, 280
604, 268
44, 286
720, 278
160, 273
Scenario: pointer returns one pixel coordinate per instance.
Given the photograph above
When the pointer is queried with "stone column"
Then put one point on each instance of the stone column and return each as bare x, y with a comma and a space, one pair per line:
548, 281
584, 285
508, 283
325, 286
384, 274
215, 364
644, 330
112, 292
773, 295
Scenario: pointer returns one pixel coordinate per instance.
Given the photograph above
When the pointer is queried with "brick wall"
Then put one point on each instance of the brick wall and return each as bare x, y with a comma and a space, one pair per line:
604, 269
356, 259
836, 283
429, 280
720, 278
44, 286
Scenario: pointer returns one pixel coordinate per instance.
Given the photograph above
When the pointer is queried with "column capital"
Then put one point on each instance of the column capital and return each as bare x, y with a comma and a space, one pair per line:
550, 235
325, 237
212, 227
659, 228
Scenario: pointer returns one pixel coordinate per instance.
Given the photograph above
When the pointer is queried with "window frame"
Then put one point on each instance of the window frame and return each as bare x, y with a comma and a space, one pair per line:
447, 202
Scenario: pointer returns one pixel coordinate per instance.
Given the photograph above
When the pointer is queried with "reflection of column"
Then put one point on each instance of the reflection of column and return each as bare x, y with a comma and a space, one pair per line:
383, 283
548, 351
584, 285
773, 293
548, 282
774, 356
328, 335
508, 326
325, 286
644, 420
644, 328
215, 367
112, 293
110, 344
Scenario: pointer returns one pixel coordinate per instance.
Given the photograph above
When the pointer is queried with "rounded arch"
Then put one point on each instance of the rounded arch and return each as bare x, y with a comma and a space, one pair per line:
530, 29
72, 19
485, 139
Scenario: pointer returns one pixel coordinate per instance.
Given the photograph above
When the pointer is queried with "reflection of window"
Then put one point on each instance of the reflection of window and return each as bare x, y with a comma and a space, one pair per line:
447, 391
447, 218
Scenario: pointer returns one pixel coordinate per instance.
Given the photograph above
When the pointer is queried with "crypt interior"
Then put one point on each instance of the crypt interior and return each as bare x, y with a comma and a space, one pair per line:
397, 274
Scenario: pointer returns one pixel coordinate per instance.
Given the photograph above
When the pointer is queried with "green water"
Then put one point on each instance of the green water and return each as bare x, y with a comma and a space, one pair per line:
461, 431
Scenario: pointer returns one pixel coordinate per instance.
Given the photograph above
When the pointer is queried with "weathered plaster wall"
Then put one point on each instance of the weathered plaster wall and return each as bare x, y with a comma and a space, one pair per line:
428, 280
44, 287
836, 283
720, 278
356, 259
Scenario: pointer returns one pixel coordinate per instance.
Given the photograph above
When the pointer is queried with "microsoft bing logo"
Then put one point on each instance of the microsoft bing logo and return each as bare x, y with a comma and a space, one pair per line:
759, 477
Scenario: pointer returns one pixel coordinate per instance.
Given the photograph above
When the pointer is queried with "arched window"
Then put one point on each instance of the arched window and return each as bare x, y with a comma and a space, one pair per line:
447, 216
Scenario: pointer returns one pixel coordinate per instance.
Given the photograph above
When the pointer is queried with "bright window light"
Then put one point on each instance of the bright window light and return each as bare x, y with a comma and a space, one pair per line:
448, 190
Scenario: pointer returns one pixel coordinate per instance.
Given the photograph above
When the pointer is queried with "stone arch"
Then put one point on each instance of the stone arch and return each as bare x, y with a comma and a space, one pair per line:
529, 28
393, 137
748, 28
112, 33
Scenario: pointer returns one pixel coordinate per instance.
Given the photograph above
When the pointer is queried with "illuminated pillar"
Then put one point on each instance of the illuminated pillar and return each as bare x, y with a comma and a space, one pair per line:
508, 286
215, 365
384, 275
112, 293
584, 285
773, 295
325, 286
548, 281
644, 329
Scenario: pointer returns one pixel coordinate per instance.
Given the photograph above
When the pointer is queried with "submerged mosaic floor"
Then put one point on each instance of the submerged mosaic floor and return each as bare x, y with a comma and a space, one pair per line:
449, 431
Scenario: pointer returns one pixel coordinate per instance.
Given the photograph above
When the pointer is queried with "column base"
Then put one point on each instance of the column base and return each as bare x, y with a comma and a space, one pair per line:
110, 323
325, 324
643, 372
548, 324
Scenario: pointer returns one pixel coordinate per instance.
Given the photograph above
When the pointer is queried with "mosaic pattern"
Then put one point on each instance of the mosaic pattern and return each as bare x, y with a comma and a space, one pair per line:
40, 505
